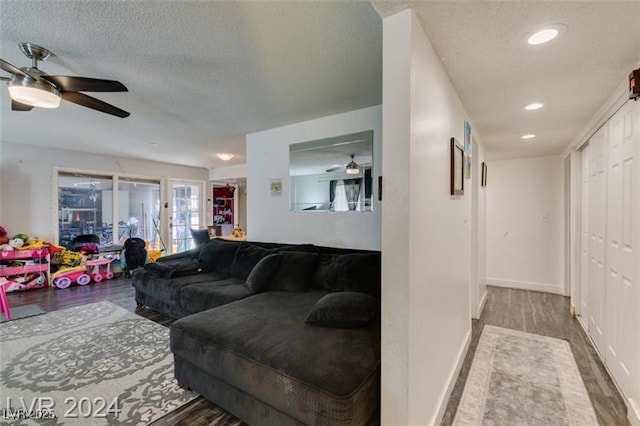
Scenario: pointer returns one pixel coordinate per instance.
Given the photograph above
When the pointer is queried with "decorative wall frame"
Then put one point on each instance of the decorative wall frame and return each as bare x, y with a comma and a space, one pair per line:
483, 182
457, 167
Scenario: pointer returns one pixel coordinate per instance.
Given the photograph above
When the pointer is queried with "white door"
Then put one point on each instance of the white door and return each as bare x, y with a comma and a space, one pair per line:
585, 260
186, 214
622, 256
597, 240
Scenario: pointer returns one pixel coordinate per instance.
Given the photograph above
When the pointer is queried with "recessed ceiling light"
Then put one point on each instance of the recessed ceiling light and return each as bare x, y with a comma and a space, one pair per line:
528, 136
546, 34
543, 36
533, 106
224, 156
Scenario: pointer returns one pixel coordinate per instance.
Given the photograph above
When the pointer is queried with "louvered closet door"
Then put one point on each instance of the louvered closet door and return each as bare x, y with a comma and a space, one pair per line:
622, 252
597, 229
585, 304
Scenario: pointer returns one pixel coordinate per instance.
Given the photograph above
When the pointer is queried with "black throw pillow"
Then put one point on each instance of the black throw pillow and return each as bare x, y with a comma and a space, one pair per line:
246, 258
360, 272
217, 256
296, 271
350, 272
260, 276
344, 309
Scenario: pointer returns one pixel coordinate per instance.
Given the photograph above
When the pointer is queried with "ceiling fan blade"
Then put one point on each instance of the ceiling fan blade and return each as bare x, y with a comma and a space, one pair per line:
84, 84
93, 103
17, 106
334, 169
12, 69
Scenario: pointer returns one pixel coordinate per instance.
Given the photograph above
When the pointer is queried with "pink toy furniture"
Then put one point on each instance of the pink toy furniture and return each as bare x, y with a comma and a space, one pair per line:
93, 267
4, 303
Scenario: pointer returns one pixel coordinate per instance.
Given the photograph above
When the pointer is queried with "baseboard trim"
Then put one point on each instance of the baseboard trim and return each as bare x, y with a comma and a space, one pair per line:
633, 411
453, 377
527, 285
483, 302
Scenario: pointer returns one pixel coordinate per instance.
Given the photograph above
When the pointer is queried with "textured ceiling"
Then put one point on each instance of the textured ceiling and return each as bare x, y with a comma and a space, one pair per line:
200, 75
482, 45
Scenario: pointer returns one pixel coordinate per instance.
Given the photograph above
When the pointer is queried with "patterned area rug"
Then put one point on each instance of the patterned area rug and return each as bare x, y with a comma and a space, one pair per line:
95, 364
519, 378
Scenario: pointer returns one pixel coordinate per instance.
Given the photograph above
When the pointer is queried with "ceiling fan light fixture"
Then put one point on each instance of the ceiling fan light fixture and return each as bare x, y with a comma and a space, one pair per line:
34, 93
352, 167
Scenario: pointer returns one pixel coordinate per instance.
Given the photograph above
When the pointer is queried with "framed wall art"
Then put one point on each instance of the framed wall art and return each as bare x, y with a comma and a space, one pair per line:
457, 167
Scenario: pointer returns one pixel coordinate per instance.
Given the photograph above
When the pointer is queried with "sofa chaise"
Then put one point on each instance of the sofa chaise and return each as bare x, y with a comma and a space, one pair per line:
274, 333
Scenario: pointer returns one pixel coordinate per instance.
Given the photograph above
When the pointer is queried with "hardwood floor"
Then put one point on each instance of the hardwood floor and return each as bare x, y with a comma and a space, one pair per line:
546, 314
199, 412
533, 312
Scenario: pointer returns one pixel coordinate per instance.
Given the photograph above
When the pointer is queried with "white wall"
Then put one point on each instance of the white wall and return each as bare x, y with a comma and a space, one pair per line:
481, 234
525, 223
269, 218
425, 233
238, 171
29, 188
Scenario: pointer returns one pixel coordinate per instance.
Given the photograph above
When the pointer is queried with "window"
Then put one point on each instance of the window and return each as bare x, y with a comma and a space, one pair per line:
86, 206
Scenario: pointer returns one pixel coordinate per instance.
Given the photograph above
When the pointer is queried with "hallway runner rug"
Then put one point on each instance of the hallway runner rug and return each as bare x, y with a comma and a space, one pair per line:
524, 379
95, 364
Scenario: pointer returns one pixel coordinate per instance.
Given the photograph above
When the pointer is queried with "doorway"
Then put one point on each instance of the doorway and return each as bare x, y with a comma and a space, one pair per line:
186, 213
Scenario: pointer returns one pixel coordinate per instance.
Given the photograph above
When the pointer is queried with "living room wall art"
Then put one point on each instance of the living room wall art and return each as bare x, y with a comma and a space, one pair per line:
457, 167
276, 187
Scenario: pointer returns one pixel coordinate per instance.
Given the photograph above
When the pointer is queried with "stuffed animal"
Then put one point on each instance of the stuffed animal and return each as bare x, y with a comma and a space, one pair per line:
16, 243
6, 247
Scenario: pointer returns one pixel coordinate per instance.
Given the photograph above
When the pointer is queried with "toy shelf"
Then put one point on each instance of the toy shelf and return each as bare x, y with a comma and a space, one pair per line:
24, 254
24, 269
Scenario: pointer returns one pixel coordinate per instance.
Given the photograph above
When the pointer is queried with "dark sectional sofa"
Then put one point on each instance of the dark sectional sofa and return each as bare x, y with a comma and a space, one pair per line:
276, 334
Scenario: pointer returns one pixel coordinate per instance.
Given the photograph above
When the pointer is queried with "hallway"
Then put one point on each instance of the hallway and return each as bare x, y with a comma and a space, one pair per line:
546, 314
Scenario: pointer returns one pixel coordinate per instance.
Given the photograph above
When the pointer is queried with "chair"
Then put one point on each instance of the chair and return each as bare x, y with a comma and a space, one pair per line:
200, 236
4, 303
80, 240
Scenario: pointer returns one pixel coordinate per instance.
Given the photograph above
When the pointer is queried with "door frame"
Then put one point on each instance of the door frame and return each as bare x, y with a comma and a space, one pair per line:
168, 207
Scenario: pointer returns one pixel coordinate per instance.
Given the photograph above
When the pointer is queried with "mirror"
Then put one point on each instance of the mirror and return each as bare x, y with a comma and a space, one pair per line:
332, 174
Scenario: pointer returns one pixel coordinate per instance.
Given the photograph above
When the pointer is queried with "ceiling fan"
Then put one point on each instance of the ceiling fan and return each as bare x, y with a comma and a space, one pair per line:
352, 168
30, 87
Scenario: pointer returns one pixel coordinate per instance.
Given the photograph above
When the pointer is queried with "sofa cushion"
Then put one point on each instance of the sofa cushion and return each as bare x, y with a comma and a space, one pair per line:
295, 272
168, 289
344, 309
349, 272
262, 346
175, 268
246, 257
217, 255
203, 296
260, 276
